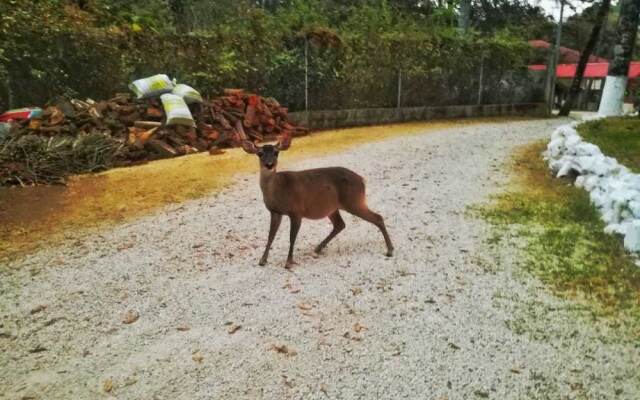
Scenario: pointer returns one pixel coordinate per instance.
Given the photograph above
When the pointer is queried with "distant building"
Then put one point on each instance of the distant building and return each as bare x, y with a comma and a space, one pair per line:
594, 75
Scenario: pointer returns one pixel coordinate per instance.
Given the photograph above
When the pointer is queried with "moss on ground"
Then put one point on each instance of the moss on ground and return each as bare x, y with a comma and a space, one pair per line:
566, 245
616, 137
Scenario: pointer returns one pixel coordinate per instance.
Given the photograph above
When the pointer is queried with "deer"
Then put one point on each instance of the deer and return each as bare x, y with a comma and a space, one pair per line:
313, 194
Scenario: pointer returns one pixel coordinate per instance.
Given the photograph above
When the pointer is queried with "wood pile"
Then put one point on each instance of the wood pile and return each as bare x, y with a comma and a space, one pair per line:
140, 124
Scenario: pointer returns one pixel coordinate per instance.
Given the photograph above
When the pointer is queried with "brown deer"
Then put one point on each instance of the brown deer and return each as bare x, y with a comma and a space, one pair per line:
313, 193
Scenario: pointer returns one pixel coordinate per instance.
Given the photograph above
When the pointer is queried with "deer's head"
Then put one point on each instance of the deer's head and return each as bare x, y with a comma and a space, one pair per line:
268, 153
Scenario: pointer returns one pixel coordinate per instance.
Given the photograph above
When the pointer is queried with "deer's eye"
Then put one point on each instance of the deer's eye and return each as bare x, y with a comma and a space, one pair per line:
260, 153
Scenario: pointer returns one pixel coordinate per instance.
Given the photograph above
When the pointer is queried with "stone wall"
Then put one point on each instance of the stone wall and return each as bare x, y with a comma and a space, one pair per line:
376, 116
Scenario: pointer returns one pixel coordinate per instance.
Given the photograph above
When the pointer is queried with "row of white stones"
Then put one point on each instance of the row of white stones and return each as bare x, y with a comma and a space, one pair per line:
613, 189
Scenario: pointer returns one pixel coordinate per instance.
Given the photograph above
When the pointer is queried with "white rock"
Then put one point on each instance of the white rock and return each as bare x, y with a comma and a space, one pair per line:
632, 236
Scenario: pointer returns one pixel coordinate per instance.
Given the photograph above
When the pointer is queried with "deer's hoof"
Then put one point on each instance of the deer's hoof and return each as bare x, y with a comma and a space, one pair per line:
390, 253
262, 263
290, 264
317, 250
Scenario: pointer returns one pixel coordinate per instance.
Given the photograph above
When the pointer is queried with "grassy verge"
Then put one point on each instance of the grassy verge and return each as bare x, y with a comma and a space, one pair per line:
617, 137
566, 246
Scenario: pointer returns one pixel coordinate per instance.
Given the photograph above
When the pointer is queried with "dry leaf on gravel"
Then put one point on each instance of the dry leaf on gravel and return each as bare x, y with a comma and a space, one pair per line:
183, 328
233, 328
358, 327
323, 388
305, 306
197, 357
107, 386
130, 317
283, 349
356, 291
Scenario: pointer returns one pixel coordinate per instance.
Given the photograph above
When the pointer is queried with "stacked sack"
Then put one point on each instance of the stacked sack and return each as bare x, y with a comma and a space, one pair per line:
613, 189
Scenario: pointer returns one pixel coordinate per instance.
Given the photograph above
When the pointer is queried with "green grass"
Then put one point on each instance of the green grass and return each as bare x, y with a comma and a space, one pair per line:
566, 245
616, 137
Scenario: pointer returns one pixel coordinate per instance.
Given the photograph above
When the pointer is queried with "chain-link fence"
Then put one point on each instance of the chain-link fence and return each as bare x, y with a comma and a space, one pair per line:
100, 64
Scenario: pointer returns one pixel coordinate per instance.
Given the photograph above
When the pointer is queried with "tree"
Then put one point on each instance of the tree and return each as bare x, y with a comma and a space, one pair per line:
584, 57
616, 83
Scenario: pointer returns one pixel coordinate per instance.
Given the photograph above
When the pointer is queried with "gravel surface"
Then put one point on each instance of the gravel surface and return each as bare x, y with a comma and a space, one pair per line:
447, 317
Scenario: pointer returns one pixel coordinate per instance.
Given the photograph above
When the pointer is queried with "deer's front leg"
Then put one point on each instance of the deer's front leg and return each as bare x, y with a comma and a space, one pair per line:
295, 227
273, 229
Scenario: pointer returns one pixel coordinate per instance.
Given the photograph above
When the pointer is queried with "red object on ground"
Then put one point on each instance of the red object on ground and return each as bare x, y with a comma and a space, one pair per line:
16, 115
593, 70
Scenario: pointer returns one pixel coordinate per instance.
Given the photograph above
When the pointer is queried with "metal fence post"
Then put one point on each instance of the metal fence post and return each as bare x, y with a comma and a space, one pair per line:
399, 103
481, 81
306, 74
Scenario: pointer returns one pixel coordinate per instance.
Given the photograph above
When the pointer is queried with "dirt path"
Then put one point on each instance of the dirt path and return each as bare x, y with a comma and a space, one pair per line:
446, 318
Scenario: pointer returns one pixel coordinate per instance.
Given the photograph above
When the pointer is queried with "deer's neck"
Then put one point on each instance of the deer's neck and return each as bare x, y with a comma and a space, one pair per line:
267, 177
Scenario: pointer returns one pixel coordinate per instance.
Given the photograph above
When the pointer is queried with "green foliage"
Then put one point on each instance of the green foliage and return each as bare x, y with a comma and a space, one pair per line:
566, 244
94, 48
616, 137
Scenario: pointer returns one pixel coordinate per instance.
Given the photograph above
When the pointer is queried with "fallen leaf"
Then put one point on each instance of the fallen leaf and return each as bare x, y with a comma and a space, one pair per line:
323, 388
358, 327
130, 317
454, 346
107, 386
233, 328
197, 357
183, 328
38, 308
515, 370
481, 393
356, 291
305, 306
283, 349
38, 349
294, 291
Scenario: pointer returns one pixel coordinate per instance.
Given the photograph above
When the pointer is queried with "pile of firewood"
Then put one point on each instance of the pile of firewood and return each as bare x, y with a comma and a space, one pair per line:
140, 124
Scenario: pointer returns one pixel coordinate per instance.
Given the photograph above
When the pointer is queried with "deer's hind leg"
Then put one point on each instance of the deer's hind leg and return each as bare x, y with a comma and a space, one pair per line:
338, 226
361, 210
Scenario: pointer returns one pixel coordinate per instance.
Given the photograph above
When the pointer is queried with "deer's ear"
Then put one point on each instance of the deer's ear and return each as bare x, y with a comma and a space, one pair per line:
284, 143
249, 147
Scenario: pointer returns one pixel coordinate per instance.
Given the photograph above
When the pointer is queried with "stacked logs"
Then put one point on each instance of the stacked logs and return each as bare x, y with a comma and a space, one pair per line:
140, 124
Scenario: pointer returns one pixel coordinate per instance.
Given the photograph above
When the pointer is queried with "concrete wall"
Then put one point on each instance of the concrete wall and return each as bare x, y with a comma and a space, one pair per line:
377, 116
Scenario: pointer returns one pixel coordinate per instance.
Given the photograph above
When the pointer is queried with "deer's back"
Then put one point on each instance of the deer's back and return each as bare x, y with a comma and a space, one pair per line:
316, 193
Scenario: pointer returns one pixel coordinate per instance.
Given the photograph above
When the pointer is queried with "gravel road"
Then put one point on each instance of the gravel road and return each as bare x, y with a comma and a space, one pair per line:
446, 318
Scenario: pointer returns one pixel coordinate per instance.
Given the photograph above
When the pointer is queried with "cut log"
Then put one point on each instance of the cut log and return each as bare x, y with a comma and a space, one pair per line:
144, 137
161, 148
147, 124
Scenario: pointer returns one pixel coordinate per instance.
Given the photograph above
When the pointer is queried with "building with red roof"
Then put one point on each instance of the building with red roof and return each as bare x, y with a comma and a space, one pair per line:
594, 75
